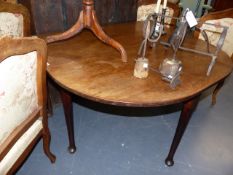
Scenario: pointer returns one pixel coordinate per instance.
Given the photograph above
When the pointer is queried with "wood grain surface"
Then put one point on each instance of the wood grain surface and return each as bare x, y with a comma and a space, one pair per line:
91, 69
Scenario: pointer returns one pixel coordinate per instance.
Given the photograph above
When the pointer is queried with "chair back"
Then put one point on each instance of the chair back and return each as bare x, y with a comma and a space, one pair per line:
23, 117
14, 20
222, 18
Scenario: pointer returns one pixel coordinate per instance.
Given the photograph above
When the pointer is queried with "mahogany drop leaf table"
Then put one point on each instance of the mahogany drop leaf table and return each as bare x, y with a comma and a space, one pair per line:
85, 67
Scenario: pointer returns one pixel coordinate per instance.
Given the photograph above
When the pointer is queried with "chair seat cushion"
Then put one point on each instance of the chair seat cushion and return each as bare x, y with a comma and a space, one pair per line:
214, 33
11, 24
18, 91
19, 147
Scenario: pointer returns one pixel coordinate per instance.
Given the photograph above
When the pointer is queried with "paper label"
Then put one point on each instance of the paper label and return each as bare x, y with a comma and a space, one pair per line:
157, 27
191, 19
145, 65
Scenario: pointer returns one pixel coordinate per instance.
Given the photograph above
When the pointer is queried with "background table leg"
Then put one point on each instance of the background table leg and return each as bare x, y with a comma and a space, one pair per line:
68, 110
216, 90
88, 19
185, 116
49, 99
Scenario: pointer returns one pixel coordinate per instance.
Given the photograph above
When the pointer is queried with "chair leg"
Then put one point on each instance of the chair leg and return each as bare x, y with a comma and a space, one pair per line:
46, 145
216, 90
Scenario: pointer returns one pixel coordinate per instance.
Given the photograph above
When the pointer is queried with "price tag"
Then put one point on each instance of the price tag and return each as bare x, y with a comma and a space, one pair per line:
145, 65
191, 19
157, 27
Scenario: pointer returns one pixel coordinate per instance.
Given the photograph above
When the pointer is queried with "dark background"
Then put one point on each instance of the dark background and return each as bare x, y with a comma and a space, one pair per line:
58, 15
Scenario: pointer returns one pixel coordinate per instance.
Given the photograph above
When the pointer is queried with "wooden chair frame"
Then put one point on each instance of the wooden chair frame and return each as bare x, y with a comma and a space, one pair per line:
217, 15
17, 46
228, 13
20, 9
213, 16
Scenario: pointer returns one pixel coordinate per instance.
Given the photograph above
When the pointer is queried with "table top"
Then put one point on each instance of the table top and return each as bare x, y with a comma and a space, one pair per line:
89, 68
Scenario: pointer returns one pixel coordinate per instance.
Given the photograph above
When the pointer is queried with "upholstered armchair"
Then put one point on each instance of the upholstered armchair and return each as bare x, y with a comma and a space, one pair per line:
223, 18
146, 7
14, 20
23, 116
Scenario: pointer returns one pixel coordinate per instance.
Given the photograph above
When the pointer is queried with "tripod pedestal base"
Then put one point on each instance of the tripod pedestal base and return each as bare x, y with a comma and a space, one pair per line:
88, 19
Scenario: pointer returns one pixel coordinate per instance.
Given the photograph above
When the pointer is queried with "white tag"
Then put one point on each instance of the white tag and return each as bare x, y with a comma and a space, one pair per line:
157, 27
191, 19
145, 65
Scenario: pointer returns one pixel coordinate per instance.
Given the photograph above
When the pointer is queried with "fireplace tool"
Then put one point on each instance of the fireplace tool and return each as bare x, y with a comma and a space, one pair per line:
170, 69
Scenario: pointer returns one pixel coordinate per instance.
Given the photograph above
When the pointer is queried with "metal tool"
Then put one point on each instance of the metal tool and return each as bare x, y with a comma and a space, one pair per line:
171, 68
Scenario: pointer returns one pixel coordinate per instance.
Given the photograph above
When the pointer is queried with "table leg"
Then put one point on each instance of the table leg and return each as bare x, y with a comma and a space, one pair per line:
49, 99
185, 116
68, 110
216, 90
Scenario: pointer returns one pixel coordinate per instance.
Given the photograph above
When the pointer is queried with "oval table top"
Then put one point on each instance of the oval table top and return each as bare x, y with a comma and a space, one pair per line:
89, 68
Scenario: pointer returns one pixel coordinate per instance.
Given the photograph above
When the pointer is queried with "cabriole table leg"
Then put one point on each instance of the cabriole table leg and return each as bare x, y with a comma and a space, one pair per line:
185, 116
216, 90
68, 110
